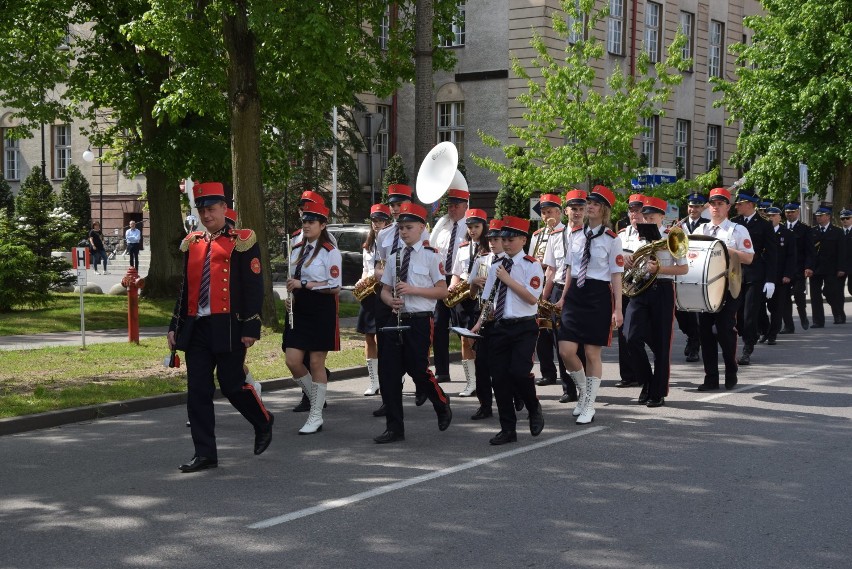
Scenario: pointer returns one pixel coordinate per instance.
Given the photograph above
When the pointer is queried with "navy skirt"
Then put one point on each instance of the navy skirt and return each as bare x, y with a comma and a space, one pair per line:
587, 314
367, 315
317, 328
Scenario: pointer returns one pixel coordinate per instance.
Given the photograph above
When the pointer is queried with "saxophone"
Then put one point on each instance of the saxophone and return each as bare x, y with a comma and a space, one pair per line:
367, 286
487, 314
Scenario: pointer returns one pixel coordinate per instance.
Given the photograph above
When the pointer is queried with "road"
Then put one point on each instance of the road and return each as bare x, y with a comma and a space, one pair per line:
755, 477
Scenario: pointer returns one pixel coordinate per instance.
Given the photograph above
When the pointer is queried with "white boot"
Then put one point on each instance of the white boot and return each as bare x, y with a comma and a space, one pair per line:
588, 412
579, 378
373, 372
250, 380
470, 375
317, 397
305, 382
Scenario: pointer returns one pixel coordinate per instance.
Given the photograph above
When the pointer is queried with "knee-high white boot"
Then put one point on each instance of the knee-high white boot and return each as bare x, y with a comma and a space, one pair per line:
579, 378
470, 375
305, 382
317, 397
373, 372
588, 413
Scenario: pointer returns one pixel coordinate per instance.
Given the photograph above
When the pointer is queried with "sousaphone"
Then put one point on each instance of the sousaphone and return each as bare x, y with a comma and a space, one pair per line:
438, 173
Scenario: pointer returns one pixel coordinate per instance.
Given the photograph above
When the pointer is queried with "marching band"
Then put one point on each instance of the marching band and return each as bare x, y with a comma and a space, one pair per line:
512, 297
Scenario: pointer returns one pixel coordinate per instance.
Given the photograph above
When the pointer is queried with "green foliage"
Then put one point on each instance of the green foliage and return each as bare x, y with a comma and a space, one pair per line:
510, 199
20, 279
792, 96
575, 134
76, 198
7, 199
394, 174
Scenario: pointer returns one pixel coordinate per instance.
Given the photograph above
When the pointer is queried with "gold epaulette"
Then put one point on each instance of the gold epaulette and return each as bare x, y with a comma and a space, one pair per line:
190, 239
245, 239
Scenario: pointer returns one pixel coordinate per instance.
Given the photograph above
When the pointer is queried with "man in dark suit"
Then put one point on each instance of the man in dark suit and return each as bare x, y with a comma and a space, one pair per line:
846, 220
804, 253
688, 321
759, 276
828, 266
785, 272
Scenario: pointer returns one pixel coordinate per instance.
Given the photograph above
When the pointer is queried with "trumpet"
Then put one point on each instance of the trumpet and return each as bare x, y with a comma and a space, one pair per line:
538, 250
636, 280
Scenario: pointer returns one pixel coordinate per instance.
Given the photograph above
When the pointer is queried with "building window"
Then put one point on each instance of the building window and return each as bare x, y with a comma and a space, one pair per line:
384, 29
649, 141
575, 35
687, 28
11, 157
653, 11
456, 37
61, 151
681, 148
715, 57
713, 150
615, 28
383, 136
451, 124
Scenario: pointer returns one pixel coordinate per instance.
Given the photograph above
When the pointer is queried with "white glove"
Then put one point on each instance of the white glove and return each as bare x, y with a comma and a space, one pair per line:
769, 290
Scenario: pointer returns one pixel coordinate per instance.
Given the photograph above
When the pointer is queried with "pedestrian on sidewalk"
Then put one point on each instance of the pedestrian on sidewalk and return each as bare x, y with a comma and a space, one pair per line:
96, 247
133, 238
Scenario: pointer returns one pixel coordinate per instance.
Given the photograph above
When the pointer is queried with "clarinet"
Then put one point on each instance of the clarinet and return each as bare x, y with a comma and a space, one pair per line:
290, 296
399, 328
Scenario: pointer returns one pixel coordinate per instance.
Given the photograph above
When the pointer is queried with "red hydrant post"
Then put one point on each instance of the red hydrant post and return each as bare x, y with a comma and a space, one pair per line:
132, 283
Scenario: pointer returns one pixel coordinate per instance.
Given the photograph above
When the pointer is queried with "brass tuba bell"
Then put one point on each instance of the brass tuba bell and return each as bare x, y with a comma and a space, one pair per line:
636, 280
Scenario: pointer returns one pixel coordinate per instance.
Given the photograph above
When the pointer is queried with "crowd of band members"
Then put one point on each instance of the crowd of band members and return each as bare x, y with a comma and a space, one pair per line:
577, 267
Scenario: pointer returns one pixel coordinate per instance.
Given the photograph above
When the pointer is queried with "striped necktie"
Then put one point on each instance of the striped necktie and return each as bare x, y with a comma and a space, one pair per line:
451, 248
395, 245
204, 292
584, 263
403, 268
298, 274
501, 295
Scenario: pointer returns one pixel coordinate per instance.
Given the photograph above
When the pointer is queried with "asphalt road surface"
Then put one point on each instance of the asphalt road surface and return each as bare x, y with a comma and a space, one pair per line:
755, 477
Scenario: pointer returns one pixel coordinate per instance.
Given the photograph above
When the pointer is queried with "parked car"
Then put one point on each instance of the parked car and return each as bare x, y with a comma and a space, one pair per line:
350, 237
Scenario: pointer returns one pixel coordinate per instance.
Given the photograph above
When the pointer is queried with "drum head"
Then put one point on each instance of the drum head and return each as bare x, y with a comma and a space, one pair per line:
735, 275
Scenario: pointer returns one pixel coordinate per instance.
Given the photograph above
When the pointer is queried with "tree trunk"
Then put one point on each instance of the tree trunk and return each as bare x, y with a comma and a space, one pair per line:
244, 108
424, 121
164, 216
842, 190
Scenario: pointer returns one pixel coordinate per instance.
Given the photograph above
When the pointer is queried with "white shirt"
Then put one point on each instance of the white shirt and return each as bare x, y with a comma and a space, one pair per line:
664, 258
385, 240
462, 266
606, 254
735, 235
132, 235
424, 271
630, 240
525, 270
368, 257
554, 251
326, 266
440, 236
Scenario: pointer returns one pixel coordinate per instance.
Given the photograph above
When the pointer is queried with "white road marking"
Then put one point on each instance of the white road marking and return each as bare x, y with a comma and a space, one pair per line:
341, 502
759, 384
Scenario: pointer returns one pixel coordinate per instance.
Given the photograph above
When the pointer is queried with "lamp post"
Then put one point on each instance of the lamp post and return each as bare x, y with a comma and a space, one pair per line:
88, 156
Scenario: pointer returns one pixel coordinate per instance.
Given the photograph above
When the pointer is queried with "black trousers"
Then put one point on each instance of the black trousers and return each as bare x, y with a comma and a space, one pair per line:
830, 286
650, 319
797, 287
544, 347
688, 324
751, 303
625, 366
781, 303
133, 251
200, 365
411, 356
510, 349
441, 337
720, 329
482, 364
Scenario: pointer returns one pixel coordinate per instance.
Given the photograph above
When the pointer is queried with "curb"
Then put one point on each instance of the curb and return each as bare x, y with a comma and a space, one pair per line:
51, 419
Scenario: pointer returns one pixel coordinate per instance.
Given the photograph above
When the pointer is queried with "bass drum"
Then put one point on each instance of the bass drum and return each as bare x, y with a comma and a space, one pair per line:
702, 289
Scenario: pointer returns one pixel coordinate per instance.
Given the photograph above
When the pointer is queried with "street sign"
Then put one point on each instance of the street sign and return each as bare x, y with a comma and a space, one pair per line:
535, 209
81, 277
80, 258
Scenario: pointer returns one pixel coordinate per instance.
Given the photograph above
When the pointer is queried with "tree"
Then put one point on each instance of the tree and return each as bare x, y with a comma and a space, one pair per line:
394, 174
511, 201
76, 198
7, 199
566, 104
792, 95
20, 279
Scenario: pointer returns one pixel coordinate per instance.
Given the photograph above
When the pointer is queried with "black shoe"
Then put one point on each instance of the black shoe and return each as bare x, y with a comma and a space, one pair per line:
536, 421
805, 324
708, 387
730, 384
815, 326
692, 357
389, 437
445, 416
839, 321
187, 424
263, 436
305, 405
504, 437
443, 378
656, 402
788, 331
381, 411
546, 381
482, 413
643, 395
763, 338
627, 383
745, 359
519, 405
771, 342
420, 399
568, 397
198, 463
